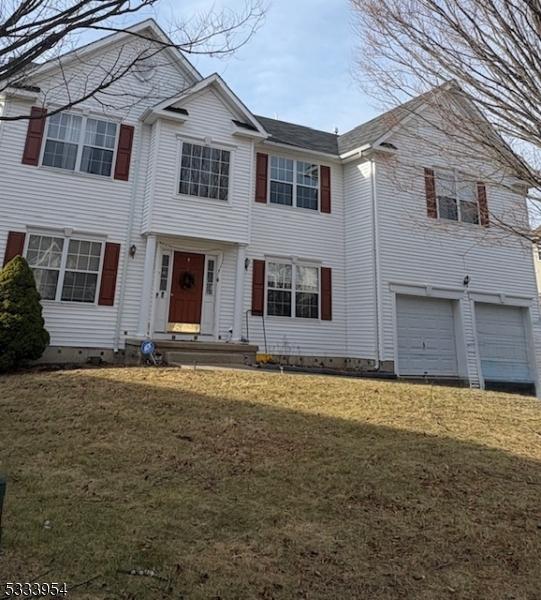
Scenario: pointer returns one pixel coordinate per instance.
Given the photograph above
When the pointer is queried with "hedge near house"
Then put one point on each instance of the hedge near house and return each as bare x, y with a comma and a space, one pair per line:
23, 336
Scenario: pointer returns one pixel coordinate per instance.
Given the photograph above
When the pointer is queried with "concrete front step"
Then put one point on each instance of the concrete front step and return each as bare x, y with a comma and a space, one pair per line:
198, 352
210, 358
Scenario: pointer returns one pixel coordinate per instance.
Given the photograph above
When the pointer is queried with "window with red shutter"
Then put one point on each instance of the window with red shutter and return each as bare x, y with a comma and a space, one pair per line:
109, 274
14, 246
261, 176
326, 293
123, 154
34, 136
430, 190
325, 189
258, 287
484, 217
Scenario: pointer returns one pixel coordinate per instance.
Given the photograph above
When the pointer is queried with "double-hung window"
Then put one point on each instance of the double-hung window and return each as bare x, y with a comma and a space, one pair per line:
457, 197
204, 172
77, 143
292, 290
65, 269
294, 183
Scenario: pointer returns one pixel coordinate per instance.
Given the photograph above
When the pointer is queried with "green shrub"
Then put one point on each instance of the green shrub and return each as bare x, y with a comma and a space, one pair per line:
23, 336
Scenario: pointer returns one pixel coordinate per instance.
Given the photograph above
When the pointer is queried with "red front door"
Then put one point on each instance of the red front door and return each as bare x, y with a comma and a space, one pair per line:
187, 288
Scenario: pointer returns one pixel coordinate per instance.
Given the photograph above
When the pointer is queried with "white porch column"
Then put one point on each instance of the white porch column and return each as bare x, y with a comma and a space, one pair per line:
239, 293
146, 295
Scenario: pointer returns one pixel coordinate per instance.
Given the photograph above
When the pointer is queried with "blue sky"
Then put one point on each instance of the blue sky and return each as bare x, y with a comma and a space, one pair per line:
298, 67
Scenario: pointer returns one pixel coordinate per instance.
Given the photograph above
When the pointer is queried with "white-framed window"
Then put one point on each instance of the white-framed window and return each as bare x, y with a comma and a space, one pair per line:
65, 269
164, 273
292, 290
204, 171
209, 284
456, 196
80, 143
294, 183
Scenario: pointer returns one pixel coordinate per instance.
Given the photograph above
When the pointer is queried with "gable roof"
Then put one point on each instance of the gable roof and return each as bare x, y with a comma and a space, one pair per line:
370, 132
246, 121
147, 29
365, 134
299, 136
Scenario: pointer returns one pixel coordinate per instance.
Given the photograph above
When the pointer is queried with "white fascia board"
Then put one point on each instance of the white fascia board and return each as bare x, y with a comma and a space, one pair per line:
113, 38
326, 155
20, 94
231, 99
150, 116
241, 132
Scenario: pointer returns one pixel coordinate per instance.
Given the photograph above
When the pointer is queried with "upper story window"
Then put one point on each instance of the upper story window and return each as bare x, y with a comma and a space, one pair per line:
456, 197
204, 171
294, 183
79, 143
65, 269
292, 290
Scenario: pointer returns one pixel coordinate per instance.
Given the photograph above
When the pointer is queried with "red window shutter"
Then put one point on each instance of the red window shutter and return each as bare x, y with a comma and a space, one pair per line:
430, 187
108, 274
14, 246
325, 174
261, 177
34, 136
326, 294
484, 219
258, 288
123, 152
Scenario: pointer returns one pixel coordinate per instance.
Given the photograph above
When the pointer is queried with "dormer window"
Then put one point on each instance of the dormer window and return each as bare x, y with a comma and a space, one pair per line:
204, 171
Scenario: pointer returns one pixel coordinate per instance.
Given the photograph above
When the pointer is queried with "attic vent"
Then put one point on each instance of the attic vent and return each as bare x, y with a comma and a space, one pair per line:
244, 125
144, 70
180, 111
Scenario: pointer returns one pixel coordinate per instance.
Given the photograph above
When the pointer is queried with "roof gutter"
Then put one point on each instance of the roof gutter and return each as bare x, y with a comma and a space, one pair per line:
327, 155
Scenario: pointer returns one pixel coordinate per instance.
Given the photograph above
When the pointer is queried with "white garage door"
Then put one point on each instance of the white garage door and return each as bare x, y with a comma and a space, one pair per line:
502, 340
426, 336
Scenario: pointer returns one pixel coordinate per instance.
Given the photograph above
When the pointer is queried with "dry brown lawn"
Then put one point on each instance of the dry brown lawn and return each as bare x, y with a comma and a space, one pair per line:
241, 485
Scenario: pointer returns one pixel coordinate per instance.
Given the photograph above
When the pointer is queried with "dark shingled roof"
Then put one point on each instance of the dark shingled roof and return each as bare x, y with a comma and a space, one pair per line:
372, 130
299, 136
323, 141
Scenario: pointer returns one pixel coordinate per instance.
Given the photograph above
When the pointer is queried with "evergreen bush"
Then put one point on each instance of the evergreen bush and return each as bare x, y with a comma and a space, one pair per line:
23, 336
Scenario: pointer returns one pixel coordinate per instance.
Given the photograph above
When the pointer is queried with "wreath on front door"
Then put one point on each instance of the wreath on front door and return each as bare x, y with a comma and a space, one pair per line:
187, 280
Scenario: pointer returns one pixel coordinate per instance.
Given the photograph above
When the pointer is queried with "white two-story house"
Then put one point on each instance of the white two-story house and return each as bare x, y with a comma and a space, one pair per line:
170, 211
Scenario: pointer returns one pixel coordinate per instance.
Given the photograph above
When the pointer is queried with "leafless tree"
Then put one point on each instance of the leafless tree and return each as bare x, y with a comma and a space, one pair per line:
33, 32
486, 51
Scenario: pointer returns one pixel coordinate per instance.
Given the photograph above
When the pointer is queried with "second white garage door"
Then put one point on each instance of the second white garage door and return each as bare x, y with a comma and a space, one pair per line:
503, 343
426, 336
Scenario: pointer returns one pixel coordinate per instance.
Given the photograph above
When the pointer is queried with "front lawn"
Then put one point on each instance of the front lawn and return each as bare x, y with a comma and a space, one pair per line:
241, 485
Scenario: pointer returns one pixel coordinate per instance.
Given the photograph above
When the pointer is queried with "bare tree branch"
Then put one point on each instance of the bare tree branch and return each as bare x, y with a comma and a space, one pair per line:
33, 32
491, 51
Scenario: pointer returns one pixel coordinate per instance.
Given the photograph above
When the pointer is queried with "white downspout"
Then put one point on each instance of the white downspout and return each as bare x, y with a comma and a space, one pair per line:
375, 240
129, 232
